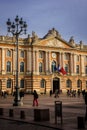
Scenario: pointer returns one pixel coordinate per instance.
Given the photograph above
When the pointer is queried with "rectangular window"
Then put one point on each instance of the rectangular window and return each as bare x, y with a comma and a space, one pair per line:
9, 83
77, 69
41, 54
67, 68
22, 54
77, 58
8, 53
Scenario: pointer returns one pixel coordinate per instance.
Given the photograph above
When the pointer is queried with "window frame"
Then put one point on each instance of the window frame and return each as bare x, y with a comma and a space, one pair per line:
8, 66
22, 66
9, 83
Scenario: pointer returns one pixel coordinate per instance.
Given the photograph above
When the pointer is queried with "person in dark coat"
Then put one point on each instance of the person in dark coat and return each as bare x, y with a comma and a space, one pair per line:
35, 98
50, 93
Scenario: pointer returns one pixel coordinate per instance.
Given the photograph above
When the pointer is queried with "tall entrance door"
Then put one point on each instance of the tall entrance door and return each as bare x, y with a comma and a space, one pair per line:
56, 84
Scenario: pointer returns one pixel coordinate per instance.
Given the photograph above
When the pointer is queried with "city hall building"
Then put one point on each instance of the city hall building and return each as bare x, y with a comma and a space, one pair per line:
37, 60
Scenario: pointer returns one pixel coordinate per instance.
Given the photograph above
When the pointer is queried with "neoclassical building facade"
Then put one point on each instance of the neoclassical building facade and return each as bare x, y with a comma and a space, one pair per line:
38, 58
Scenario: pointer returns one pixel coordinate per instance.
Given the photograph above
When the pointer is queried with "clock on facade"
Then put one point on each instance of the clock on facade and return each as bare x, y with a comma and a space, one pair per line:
54, 55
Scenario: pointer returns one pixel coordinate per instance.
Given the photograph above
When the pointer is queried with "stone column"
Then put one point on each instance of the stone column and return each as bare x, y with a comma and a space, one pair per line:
30, 61
14, 61
37, 62
60, 63
46, 62
3, 61
35, 56
71, 64
49, 59
33, 61
82, 69
74, 64
27, 62
62, 59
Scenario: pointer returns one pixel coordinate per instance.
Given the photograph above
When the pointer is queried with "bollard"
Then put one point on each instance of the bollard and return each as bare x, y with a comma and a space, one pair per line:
1, 111
22, 114
41, 115
81, 122
11, 114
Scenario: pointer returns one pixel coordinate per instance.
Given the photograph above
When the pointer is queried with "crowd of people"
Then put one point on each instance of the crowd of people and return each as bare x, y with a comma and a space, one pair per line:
73, 93
70, 93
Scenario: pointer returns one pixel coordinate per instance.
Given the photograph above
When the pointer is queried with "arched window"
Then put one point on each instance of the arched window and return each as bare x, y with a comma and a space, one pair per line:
8, 66
79, 83
22, 83
9, 83
8, 53
41, 54
40, 67
68, 83
22, 67
53, 66
43, 83
22, 54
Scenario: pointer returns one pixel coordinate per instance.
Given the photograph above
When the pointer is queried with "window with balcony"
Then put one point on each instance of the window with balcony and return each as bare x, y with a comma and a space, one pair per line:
8, 66
40, 67
53, 66
22, 54
8, 53
67, 68
22, 67
41, 54
77, 69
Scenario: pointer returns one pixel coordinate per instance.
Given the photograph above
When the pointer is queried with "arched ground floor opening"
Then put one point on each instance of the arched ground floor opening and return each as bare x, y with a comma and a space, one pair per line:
44, 83
56, 84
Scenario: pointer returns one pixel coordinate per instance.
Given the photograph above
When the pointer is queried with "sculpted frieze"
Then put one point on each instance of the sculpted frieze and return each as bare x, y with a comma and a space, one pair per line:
54, 43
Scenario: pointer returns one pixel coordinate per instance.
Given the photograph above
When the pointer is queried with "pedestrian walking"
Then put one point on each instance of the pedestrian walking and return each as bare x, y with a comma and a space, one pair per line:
50, 93
56, 93
35, 98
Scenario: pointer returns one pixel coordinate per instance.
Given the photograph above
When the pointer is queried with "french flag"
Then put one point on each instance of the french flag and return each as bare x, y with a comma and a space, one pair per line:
63, 71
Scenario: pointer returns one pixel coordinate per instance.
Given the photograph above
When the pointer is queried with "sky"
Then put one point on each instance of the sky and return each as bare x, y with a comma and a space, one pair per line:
68, 17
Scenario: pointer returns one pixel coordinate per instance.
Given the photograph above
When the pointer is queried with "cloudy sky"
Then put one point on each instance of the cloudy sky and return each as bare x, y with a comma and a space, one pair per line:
68, 17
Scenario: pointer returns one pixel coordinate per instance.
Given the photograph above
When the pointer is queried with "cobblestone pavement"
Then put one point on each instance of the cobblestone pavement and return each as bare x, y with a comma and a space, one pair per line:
72, 108
18, 125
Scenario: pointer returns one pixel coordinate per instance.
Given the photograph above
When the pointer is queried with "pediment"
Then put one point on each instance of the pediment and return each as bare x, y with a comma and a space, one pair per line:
54, 43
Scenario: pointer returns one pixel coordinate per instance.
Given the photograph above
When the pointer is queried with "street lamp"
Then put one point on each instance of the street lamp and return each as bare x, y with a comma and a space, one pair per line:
17, 28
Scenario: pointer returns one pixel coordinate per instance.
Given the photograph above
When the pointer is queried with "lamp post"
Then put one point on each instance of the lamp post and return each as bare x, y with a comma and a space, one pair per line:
17, 28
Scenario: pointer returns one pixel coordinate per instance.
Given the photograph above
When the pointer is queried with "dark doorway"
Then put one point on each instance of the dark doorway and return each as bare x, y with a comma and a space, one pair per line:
56, 84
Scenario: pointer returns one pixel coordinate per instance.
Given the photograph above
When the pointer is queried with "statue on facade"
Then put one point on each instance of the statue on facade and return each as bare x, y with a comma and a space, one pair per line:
34, 36
71, 41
